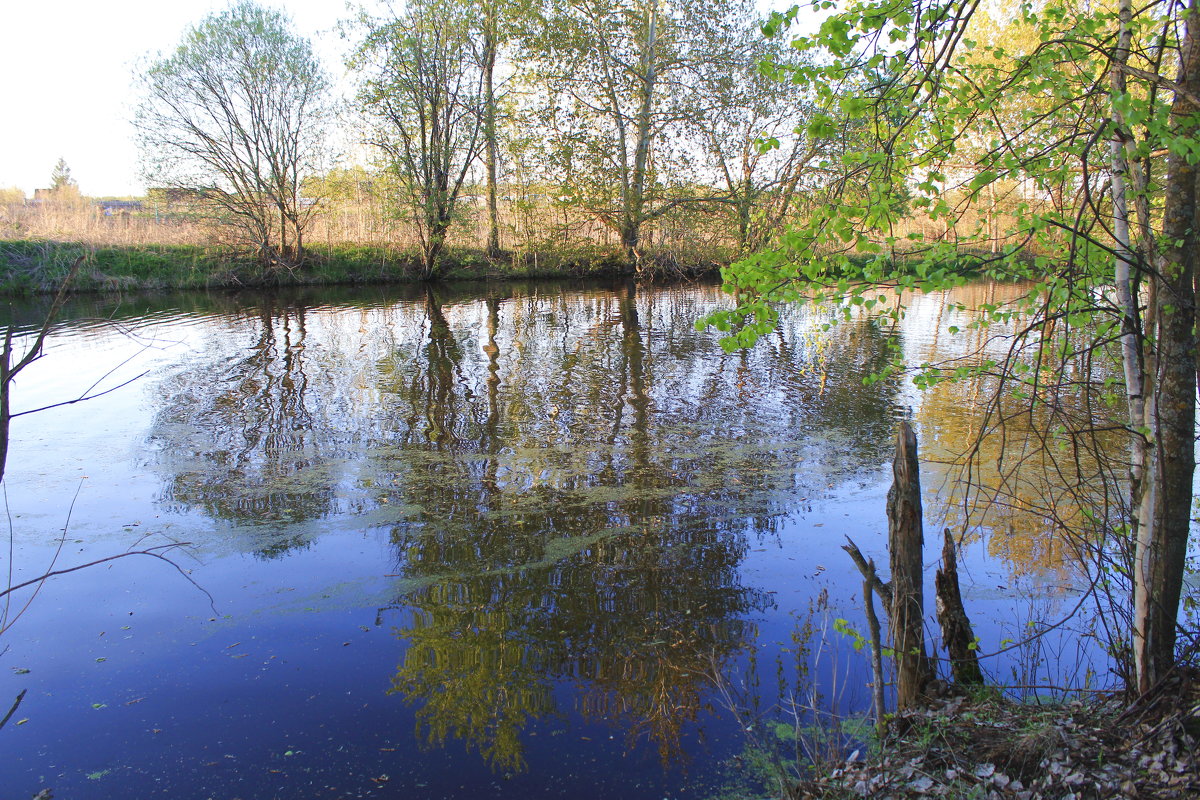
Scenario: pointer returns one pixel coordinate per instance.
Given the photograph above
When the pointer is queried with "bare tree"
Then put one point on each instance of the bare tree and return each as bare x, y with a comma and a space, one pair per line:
236, 117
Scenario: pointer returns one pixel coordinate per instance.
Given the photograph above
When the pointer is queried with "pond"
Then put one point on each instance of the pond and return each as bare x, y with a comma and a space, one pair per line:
524, 541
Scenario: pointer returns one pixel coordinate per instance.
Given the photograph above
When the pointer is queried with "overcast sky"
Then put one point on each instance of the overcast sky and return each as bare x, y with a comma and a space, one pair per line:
67, 84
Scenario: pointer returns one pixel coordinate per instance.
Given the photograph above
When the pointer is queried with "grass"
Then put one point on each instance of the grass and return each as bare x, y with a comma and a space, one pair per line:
162, 247
30, 267
36, 266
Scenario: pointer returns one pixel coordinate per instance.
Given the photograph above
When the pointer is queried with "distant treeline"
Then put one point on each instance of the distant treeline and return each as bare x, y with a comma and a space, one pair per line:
490, 137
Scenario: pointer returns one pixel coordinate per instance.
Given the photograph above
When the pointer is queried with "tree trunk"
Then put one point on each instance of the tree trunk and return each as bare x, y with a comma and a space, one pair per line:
745, 208
634, 211
6, 377
1162, 549
489, 125
630, 237
906, 541
952, 616
1126, 267
434, 244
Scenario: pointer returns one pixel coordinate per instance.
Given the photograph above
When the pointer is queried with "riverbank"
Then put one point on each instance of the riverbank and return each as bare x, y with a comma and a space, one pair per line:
35, 266
1003, 750
32, 267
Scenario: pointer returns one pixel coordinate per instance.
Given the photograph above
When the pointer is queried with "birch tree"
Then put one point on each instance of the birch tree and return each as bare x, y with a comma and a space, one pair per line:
1098, 122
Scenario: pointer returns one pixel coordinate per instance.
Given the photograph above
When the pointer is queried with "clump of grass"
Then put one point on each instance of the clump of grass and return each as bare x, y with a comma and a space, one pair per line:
33, 266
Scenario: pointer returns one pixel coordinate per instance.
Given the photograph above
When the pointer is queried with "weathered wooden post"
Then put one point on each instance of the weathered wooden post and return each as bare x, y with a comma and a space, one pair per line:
906, 541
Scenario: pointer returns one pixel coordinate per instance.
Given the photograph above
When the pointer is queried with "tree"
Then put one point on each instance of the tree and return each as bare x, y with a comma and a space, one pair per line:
236, 116
1105, 235
60, 177
502, 24
752, 134
493, 32
491, 43
64, 191
423, 89
613, 76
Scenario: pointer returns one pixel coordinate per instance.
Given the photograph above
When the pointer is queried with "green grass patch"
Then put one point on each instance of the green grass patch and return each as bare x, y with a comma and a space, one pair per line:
30, 266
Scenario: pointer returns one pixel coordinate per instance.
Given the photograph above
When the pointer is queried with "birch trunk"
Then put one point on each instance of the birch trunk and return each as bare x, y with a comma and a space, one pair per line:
1166, 497
489, 125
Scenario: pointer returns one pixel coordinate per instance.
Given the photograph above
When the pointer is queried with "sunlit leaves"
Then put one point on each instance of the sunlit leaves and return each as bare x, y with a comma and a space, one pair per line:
1018, 118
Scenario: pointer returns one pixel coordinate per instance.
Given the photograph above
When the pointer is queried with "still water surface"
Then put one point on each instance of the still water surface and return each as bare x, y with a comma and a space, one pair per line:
459, 542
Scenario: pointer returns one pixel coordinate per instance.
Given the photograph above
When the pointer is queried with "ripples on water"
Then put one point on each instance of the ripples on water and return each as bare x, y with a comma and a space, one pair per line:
481, 541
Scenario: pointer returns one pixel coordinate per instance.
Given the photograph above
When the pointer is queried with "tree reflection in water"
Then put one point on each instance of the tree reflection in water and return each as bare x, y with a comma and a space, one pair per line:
582, 520
570, 481
248, 433
1037, 480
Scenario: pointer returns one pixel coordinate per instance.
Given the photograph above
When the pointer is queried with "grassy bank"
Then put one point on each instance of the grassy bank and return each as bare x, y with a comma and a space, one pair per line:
30, 267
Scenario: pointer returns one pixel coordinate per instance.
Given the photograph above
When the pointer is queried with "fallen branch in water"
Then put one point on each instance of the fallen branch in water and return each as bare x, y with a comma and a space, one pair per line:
149, 551
16, 704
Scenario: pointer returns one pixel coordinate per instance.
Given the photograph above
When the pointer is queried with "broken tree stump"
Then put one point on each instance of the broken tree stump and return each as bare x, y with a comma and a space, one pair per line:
957, 635
906, 542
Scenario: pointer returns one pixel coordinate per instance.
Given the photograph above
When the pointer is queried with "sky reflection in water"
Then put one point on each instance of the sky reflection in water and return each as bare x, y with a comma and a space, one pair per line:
483, 541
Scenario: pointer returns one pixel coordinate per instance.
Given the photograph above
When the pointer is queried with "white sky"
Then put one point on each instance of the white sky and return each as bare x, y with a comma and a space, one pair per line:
67, 83
66, 87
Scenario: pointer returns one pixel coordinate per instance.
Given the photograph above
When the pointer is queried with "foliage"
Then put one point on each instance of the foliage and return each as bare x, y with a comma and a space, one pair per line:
234, 120
618, 88
942, 132
650, 151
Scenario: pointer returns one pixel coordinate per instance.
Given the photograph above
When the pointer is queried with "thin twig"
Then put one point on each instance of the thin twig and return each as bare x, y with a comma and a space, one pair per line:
149, 551
13, 710
81, 398
62, 540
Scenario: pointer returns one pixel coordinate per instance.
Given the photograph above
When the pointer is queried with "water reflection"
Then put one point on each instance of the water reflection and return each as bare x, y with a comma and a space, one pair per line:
247, 436
569, 507
570, 482
583, 514
1035, 467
